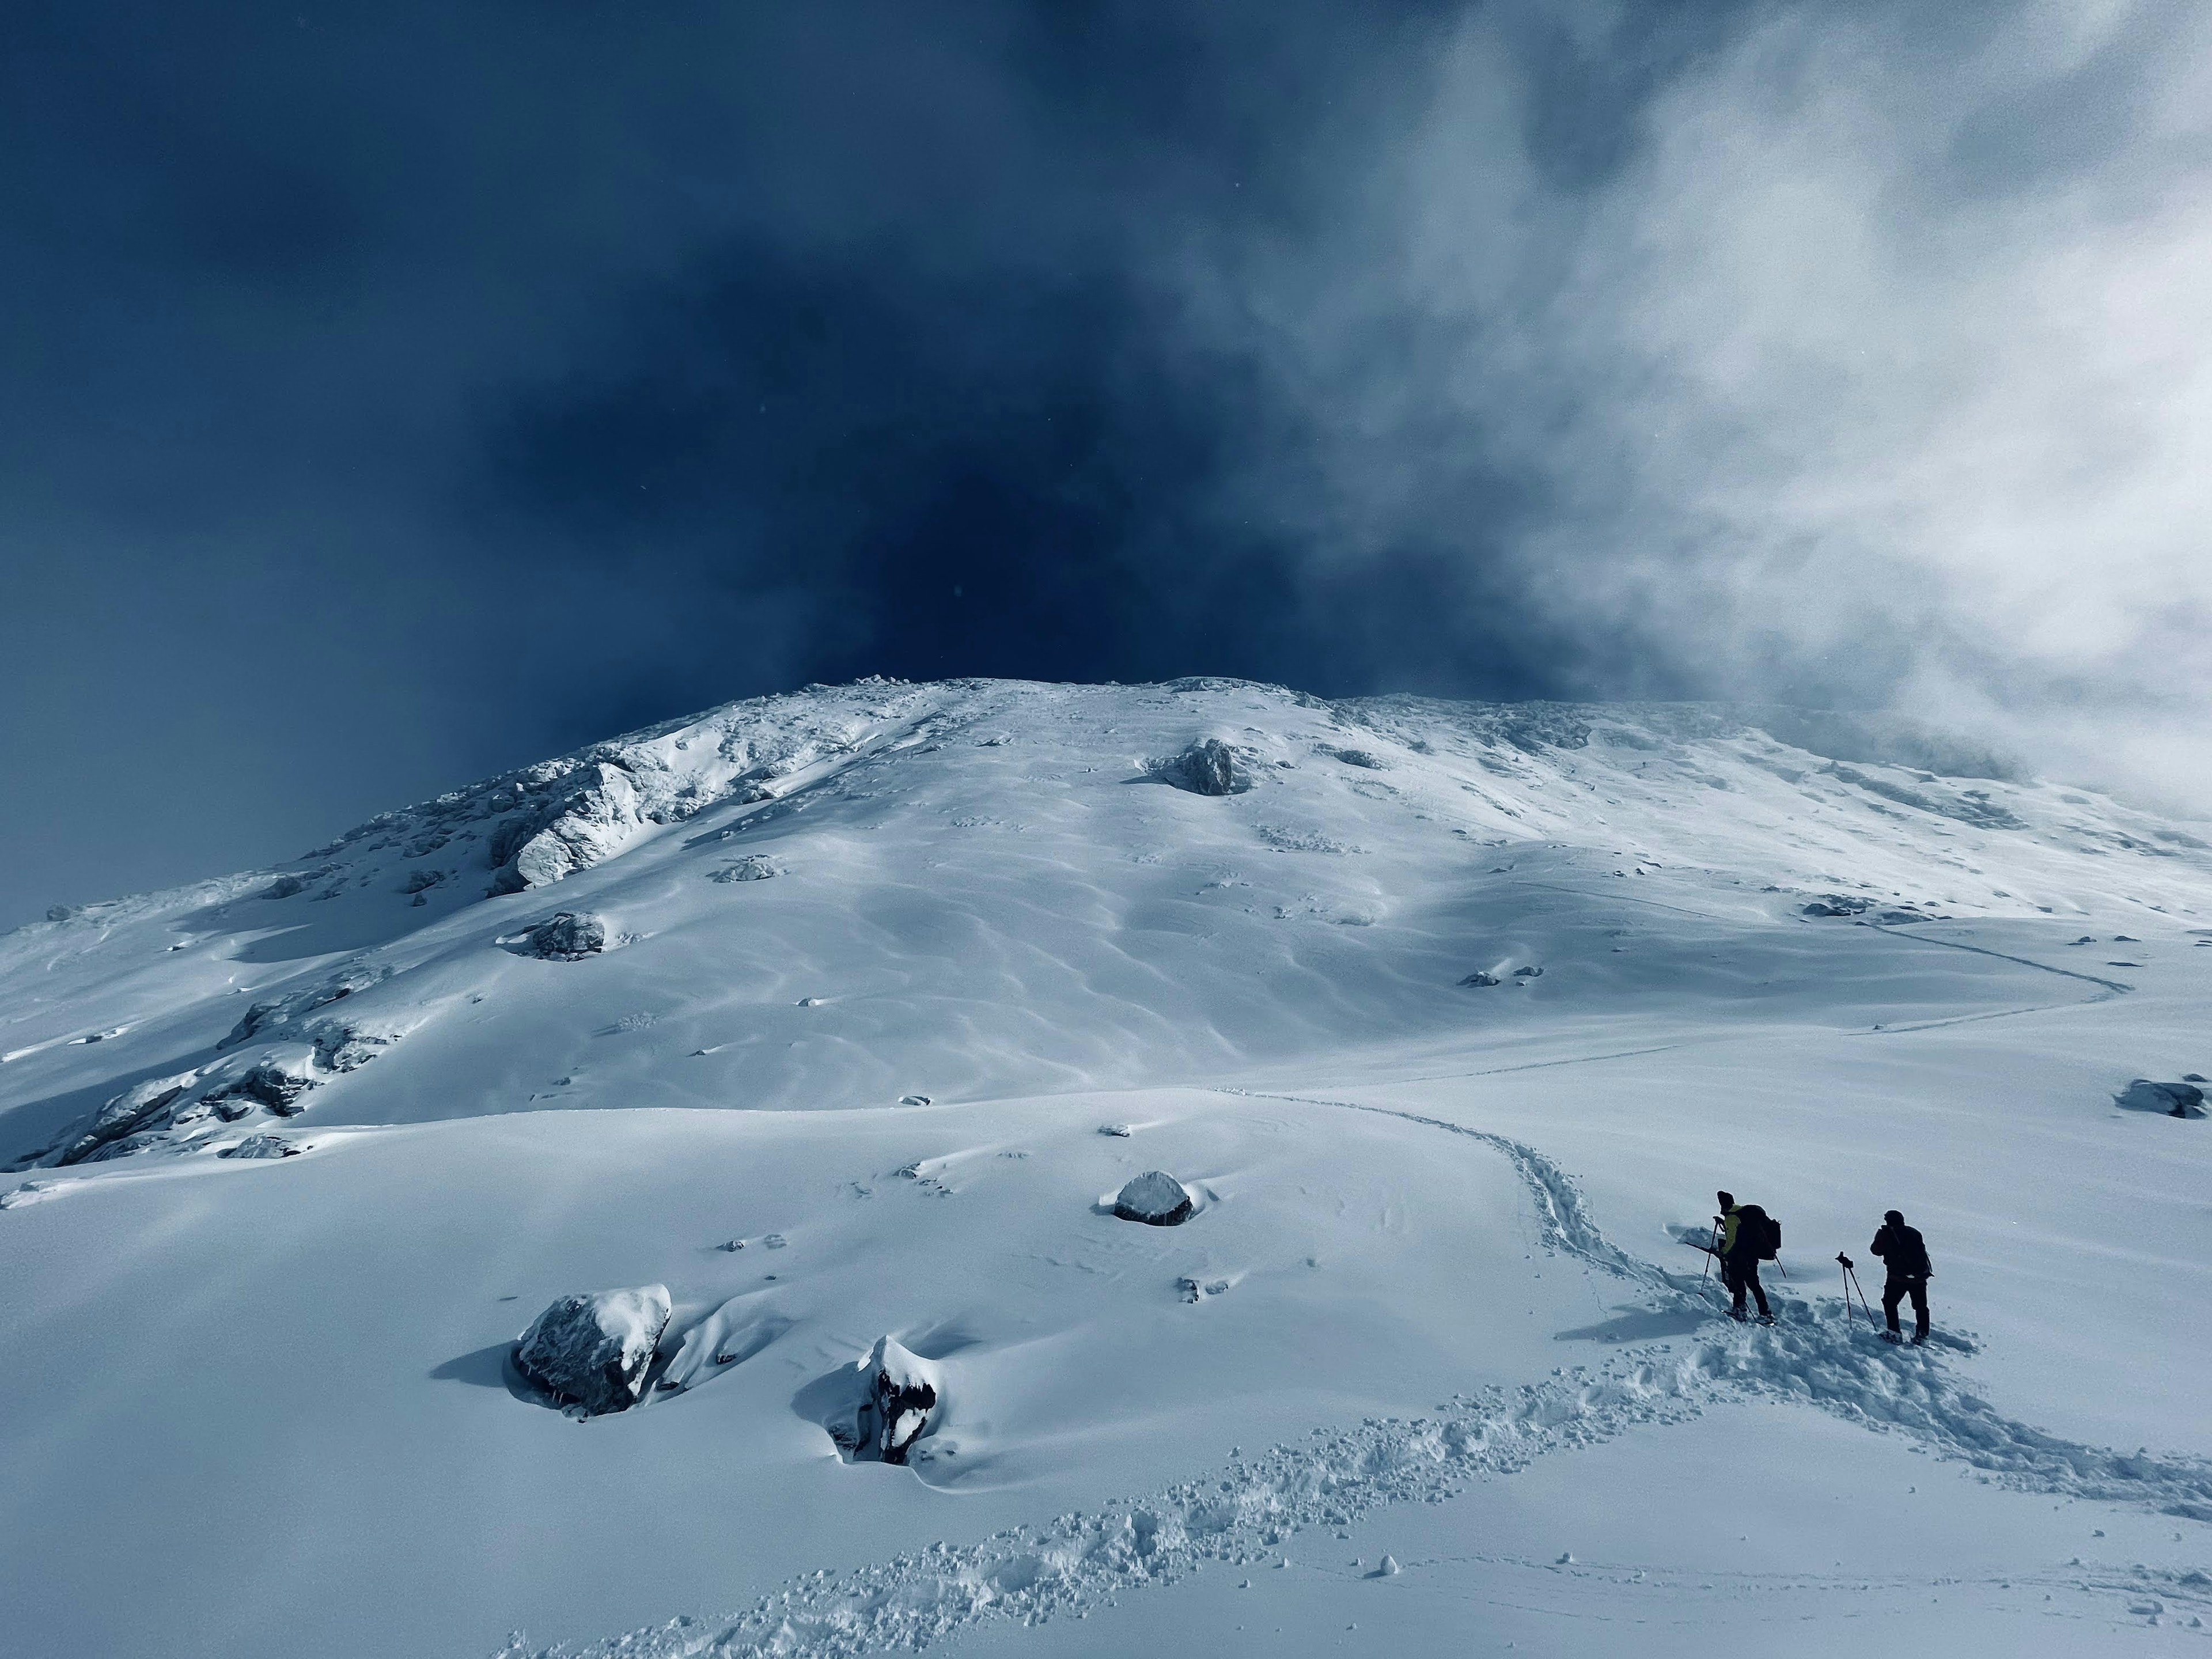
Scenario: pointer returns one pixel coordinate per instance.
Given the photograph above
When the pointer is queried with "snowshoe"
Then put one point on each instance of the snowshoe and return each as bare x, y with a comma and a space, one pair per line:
1764, 1319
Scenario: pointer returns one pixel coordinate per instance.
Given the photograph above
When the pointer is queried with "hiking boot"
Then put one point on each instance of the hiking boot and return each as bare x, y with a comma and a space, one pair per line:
1892, 1336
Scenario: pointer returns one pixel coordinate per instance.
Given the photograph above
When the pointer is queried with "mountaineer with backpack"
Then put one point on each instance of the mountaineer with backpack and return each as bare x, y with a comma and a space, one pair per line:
1744, 1237
1904, 1253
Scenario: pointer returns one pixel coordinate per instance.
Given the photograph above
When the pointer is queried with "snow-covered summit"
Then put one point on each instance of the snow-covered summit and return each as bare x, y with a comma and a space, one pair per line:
838, 1025
953, 856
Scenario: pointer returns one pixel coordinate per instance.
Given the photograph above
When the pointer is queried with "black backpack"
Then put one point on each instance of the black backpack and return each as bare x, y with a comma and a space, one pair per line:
1757, 1232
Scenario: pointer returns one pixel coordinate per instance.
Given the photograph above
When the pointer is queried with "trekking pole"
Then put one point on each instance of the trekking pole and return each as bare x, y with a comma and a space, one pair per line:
1711, 1251
1850, 1278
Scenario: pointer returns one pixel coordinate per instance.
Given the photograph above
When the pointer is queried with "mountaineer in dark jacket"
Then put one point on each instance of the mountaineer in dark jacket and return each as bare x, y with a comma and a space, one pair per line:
1739, 1260
1905, 1255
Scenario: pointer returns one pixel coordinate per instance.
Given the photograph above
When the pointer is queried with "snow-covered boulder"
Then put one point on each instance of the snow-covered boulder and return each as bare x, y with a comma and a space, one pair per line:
904, 1391
590, 1352
1207, 767
2169, 1099
262, 1145
752, 867
1155, 1198
568, 937
1478, 978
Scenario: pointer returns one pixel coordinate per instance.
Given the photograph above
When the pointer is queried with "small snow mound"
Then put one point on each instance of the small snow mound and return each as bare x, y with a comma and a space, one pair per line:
1388, 1568
1207, 767
569, 936
2168, 1099
1155, 1198
590, 1352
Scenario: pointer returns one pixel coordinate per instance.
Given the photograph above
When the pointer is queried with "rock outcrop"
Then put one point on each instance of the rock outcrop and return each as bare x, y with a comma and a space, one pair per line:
136, 1107
590, 1352
904, 1391
1155, 1198
570, 935
1835, 904
2167, 1099
1207, 767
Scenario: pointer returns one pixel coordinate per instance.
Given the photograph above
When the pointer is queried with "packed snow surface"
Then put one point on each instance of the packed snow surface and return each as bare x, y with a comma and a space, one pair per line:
1447, 1020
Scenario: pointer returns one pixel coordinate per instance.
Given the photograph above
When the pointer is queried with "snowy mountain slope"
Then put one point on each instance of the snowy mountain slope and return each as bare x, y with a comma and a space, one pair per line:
895, 954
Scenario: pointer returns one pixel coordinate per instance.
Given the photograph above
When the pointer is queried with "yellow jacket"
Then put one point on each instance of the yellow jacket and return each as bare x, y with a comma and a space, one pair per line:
1727, 1229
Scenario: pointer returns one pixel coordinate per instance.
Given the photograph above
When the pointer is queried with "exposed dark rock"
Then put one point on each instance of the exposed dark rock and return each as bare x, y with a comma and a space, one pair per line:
1359, 757
282, 888
1530, 972
264, 1018
264, 1145
2167, 1099
1478, 978
2192, 1076
133, 1110
902, 1398
1155, 1198
1835, 904
1207, 767
272, 1084
753, 867
568, 937
590, 1352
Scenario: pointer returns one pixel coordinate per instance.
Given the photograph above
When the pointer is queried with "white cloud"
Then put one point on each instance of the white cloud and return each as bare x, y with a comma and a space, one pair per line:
1884, 363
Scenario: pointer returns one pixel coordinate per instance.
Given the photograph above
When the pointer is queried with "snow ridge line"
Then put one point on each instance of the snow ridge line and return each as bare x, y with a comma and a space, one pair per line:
1241, 1516
1827, 1363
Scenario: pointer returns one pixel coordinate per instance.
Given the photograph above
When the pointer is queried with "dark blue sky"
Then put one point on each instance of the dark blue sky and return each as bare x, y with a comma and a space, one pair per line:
401, 393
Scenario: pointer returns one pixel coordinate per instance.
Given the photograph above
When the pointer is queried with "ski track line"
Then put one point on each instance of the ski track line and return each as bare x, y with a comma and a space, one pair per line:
1243, 1515
2113, 986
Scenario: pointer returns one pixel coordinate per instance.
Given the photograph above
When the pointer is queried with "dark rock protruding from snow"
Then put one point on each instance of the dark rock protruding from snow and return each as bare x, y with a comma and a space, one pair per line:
1835, 904
273, 1083
2169, 1099
752, 867
271, 1017
903, 1390
568, 937
1480, 979
590, 1352
134, 1108
1155, 1198
256, 1147
1207, 767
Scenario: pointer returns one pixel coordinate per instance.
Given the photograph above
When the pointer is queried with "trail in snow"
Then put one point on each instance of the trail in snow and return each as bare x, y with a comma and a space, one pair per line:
1245, 1514
2112, 985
